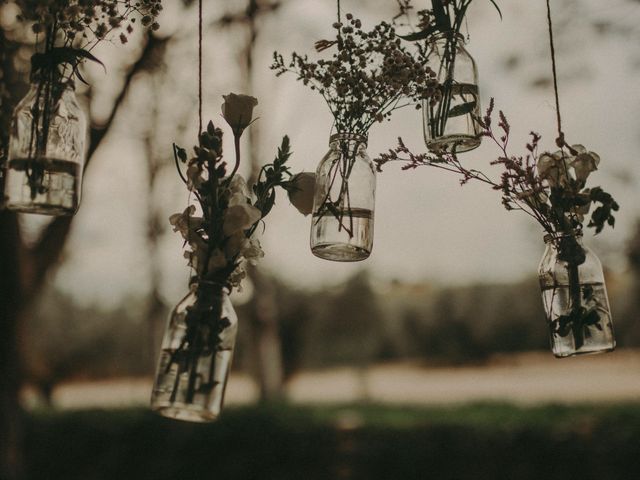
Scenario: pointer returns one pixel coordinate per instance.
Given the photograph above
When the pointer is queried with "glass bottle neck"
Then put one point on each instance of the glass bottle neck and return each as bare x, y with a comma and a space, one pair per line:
444, 37
554, 239
354, 139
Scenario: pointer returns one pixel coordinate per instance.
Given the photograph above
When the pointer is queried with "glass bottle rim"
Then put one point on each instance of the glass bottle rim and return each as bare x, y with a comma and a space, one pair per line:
447, 34
356, 137
223, 288
558, 235
36, 78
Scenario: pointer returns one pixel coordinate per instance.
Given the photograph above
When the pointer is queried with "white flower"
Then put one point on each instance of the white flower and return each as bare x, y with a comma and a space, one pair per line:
237, 110
553, 168
198, 254
240, 215
584, 163
185, 222
252, 251
194, 176
302, 191
238, 185
236, 277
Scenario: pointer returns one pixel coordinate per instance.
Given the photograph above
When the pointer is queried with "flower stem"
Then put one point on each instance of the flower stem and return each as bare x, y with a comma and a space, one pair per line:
236, 143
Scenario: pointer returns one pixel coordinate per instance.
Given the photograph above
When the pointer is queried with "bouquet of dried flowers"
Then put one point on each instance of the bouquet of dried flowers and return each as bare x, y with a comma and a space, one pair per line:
552, 189
370, 75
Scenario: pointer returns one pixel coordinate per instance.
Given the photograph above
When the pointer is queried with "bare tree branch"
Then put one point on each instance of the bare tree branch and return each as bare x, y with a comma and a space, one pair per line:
47, 250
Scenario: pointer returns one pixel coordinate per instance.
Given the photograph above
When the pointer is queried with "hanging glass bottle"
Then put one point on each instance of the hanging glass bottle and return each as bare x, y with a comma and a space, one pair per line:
574, 297
448, 118
344, 200
196, 355
46, 150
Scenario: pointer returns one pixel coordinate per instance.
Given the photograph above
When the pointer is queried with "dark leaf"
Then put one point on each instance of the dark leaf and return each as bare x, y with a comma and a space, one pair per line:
462, 109
497, 8
422, 35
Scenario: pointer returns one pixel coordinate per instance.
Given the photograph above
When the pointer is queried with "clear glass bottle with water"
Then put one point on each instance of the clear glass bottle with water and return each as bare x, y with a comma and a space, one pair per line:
46, 150
448, 118
196, 354
574, 297
344, 201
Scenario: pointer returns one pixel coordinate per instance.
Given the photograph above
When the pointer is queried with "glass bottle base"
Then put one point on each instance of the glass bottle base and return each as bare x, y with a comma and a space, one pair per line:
461, 143
184, 412
46, 186
40, 209
593, 350
340, 252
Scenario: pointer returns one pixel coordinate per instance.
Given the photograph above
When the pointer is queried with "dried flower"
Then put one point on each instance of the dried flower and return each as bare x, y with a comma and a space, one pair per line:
92, 21
370, 74
301, 192
550, 187
554, 168
240, 215
584, 163
237, 110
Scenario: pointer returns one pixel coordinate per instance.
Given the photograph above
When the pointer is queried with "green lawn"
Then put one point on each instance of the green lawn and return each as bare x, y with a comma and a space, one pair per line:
483, 441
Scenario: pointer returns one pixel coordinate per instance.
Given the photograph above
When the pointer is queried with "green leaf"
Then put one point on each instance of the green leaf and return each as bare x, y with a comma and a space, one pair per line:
268, 203
462, 109
497, 8
422, 35
284, 152
591, 317
182, 154
440, 13
80, 53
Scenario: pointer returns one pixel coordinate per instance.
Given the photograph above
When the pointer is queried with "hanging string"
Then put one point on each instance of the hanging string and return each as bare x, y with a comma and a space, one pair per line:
560, 140
339, 15
199, 67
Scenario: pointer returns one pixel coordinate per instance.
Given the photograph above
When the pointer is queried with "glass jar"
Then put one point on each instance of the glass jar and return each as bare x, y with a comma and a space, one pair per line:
195, 359
46, 151
448, 118
344, 200
574, 297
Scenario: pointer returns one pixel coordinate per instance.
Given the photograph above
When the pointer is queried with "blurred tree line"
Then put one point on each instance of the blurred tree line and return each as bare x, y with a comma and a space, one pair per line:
357, 323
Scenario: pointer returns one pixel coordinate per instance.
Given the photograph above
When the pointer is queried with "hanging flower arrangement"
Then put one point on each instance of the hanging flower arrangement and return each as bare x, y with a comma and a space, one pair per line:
220, 238
48, 130
449, 116
552, 189
370, 75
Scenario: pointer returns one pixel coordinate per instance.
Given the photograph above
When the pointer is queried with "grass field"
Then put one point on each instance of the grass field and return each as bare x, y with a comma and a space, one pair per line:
477, 441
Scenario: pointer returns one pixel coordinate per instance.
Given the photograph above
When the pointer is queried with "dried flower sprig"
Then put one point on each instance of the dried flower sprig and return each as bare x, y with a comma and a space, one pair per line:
87, 23
371, 74
549, 187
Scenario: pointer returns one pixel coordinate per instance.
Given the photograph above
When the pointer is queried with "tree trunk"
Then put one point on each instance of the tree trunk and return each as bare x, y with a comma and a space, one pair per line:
22, 275
265, 334
10, 293
267, 350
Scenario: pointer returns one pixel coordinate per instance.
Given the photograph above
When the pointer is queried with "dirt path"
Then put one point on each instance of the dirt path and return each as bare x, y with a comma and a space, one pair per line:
523, 378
